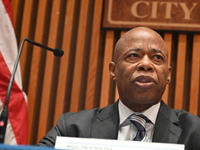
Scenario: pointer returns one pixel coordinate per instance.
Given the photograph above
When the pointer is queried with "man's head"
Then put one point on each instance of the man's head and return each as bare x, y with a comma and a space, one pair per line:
140, 68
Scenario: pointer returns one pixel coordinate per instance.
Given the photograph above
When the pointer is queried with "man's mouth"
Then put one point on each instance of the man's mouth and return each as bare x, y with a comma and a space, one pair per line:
144, 82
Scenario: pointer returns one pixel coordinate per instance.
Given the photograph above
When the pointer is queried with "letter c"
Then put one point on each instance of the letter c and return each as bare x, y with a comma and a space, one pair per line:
134, 9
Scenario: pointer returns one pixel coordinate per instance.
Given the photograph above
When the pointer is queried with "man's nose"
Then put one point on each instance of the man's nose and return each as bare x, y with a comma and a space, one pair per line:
145, 64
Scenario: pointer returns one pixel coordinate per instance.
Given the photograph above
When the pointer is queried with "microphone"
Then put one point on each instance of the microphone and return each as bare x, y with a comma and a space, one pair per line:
57, 52
4, 115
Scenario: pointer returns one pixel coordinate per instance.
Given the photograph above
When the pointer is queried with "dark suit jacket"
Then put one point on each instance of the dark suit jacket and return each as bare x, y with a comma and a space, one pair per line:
172, 126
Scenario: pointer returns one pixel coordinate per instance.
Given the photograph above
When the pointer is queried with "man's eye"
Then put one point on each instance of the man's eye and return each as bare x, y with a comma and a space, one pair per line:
158, 57
133, 55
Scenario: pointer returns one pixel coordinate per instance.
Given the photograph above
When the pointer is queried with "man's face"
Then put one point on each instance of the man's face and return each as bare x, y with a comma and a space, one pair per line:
140, 69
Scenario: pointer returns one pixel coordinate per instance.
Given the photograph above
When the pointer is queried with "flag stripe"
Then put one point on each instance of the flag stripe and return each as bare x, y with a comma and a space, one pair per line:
7, 6
17, 105
18, 115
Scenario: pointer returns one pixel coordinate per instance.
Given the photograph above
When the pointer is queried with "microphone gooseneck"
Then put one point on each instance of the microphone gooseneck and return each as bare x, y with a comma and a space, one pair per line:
4, 115
57, 52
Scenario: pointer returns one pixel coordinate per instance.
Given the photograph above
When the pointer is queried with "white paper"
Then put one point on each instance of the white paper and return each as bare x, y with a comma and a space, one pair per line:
69, 143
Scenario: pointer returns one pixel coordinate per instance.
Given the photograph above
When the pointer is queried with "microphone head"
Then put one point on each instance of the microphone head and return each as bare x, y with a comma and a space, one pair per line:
58, 52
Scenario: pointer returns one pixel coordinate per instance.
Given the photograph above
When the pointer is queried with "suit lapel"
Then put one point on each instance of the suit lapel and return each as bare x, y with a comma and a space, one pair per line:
107, 123
167, 128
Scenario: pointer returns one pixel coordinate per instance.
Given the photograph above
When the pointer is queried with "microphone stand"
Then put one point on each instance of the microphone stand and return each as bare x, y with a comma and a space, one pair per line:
4, 114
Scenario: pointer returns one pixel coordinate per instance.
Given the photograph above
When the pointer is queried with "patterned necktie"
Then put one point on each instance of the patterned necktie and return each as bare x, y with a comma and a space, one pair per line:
139, 121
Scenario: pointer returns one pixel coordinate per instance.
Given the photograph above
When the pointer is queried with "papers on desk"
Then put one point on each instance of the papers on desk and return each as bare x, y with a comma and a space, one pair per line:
69, 143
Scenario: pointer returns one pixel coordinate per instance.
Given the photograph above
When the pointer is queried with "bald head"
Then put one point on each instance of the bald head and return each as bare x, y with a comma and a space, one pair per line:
138, 34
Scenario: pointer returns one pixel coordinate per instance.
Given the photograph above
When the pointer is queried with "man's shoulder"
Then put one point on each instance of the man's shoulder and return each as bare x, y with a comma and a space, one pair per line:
82, 113
91, 114
187, 117
178, 114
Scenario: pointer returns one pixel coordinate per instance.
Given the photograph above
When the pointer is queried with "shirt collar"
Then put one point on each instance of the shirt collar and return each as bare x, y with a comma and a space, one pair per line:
125, 112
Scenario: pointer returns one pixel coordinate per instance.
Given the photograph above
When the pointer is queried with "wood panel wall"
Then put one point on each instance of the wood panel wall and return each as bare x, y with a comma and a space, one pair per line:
80, 79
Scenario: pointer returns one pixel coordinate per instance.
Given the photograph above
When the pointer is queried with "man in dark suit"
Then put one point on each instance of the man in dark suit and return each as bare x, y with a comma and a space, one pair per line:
140, 69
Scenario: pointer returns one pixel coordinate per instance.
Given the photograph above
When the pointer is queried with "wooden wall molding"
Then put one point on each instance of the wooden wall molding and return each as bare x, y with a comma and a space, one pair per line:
158, 14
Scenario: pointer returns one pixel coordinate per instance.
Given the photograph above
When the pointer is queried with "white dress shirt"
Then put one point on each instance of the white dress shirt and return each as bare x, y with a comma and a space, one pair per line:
127, 130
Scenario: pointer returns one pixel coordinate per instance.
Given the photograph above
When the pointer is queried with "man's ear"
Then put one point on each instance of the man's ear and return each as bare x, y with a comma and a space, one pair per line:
112, 66
169, 75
